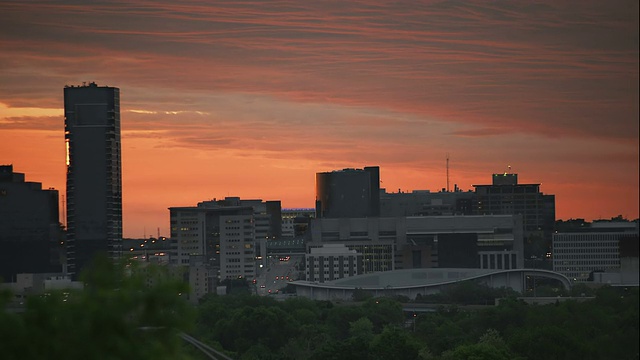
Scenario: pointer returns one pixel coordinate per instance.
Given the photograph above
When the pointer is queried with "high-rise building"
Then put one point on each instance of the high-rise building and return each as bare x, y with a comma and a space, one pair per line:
94, 175
30, 232
348, 193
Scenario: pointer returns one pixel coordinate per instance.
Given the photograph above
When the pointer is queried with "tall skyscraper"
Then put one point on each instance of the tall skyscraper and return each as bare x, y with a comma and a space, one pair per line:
94, 176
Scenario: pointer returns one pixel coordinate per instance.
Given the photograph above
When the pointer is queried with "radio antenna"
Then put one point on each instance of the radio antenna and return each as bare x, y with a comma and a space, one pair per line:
447, 172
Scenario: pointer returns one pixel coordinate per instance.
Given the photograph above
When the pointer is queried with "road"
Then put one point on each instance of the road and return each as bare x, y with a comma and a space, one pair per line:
277, 274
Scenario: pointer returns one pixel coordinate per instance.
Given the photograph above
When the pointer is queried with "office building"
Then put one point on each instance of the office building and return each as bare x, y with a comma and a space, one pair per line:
505, 196
348, 193
31, 237
604, 251
484, 241
331, 262
227, 238
94, 176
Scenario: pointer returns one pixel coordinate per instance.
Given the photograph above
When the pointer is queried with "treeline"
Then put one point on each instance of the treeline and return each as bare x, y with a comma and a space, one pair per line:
252, 327
124, 313
120, 314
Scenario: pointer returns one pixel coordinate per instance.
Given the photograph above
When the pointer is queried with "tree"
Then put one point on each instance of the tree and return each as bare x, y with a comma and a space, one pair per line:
395, 343
115, 316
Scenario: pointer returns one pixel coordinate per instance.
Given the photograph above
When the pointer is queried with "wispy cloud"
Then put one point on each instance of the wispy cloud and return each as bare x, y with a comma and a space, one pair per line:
338, 83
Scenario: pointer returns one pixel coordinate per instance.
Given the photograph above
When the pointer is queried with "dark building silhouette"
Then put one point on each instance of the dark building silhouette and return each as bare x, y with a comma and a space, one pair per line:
426, 203
30, 232
506, 197
348, 193
94, 176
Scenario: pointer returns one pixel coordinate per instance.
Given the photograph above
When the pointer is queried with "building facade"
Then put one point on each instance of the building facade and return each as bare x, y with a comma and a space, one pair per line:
228, 237
505, 196
94, 174
484, 241
31, 239
348, 193
602, 247
237, 247
332, 262
426, 203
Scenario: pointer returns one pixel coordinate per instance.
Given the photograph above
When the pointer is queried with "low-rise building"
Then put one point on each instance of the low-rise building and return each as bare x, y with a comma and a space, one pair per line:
331, 262
596, 249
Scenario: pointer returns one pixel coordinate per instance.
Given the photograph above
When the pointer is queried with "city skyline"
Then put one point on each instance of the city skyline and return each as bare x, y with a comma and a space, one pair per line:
253, 99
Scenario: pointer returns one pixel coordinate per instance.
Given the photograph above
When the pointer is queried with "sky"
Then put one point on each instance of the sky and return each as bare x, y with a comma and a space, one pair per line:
253, 98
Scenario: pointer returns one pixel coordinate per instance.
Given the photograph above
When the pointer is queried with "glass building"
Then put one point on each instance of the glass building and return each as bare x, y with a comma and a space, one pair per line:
94, 175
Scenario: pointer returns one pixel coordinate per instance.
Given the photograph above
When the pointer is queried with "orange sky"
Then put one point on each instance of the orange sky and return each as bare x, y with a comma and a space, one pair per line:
252, 99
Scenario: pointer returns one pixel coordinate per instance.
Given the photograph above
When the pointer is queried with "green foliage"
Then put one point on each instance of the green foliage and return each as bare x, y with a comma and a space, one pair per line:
395, 343
236, 286
116, 316
253, 327
491, 346
360, 294
382, 312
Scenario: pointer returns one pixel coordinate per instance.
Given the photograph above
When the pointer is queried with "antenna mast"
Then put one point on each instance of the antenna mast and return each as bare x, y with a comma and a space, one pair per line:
447, 172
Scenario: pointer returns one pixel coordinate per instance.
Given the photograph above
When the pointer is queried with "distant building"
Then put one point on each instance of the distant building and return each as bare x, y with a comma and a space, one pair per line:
603, 251
225, 239
426, 203
161, 251
331, 262
36, 284
94, 174
202, 280
506, 197
414, 283
31, 238
486, 242
348, 193
295, 221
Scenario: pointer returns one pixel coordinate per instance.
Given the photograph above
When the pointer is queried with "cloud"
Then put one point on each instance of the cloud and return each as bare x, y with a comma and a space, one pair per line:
303, 84
502, 65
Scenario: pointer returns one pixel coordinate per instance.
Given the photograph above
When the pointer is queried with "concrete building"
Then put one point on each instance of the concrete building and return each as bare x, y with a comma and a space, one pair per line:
197, 230
237, 247
486, 242
505, 196
604, 252
348, 193
331, 262
202, 279
228, 237
31, 238
94, 174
